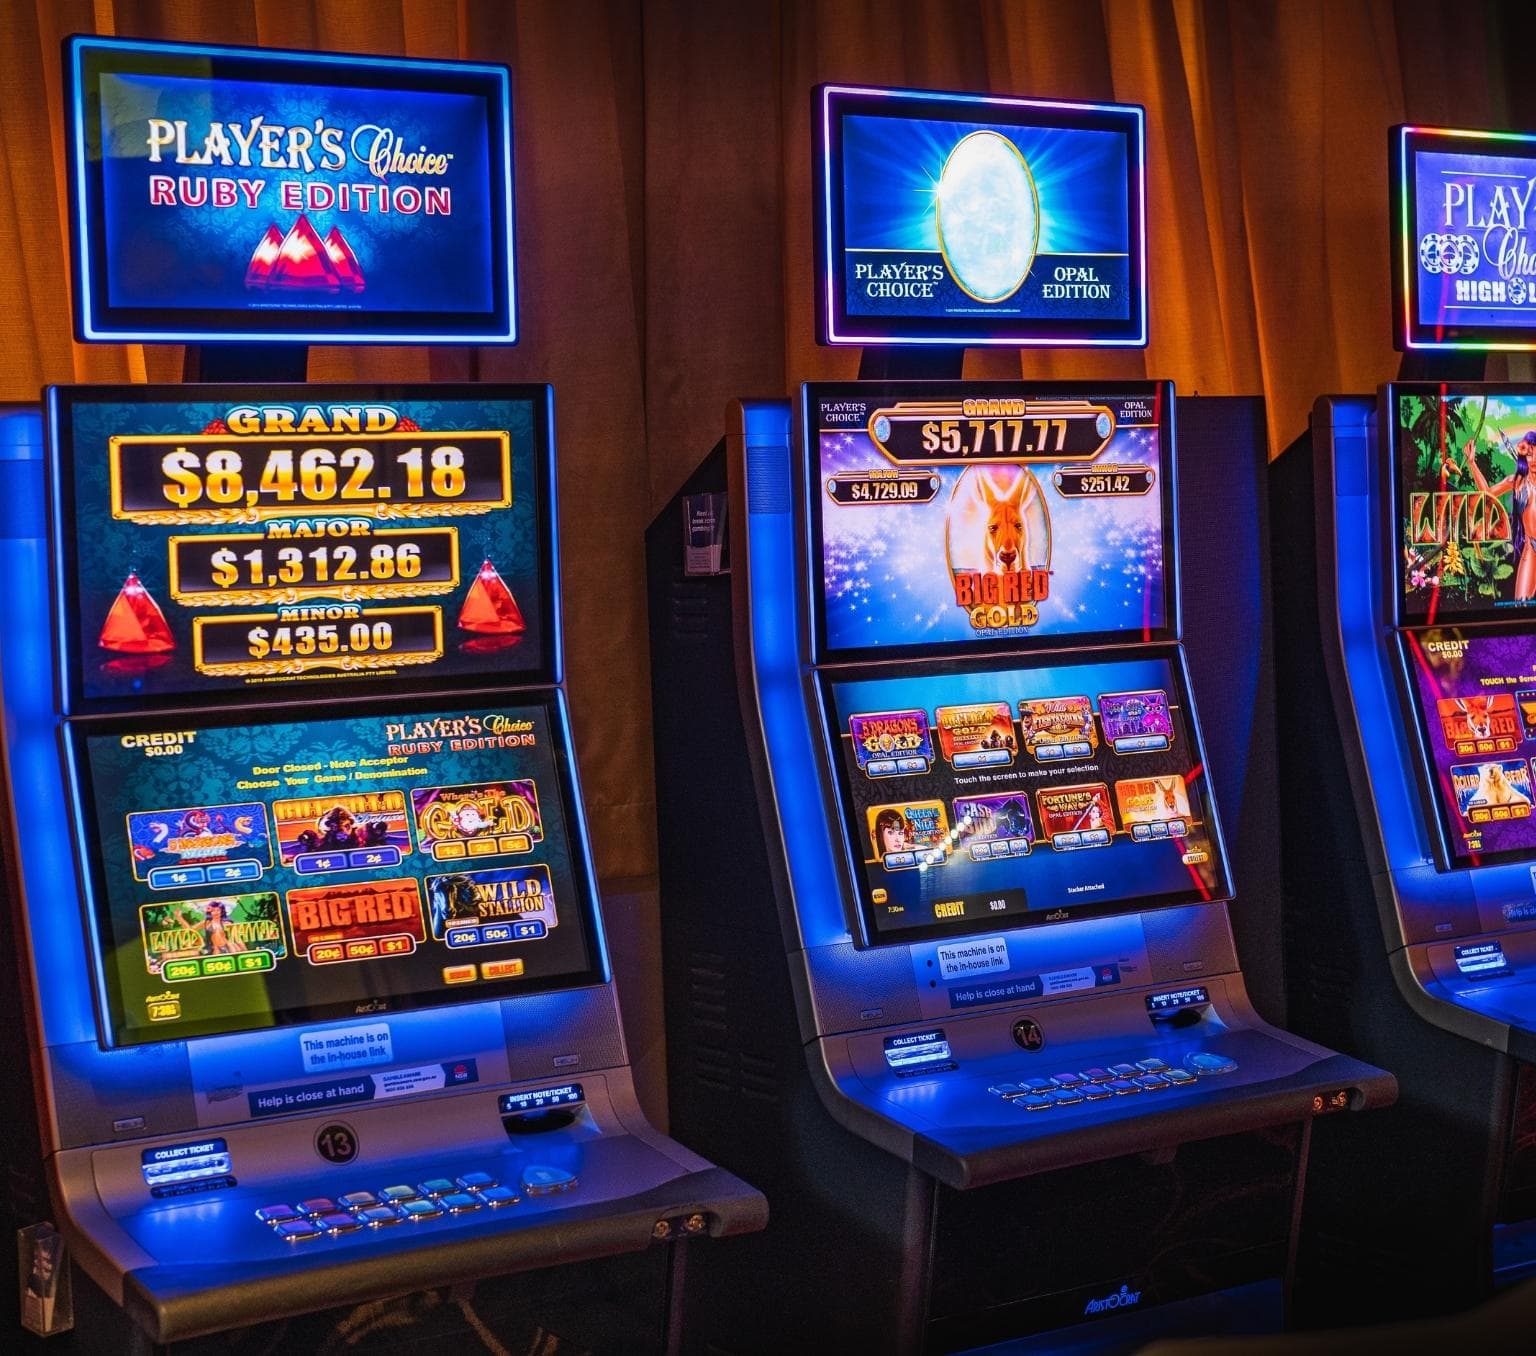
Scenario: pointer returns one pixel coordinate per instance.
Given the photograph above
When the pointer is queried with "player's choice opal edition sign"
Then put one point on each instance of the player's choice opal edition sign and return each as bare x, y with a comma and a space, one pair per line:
967, 219
1465, 256
233, 193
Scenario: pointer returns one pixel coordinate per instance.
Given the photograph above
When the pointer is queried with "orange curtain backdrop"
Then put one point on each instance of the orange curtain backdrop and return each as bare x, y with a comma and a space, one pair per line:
664, 223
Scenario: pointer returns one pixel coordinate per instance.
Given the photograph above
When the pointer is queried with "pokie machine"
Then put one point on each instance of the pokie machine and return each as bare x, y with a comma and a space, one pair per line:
320, 1002
950, 970
1403, 523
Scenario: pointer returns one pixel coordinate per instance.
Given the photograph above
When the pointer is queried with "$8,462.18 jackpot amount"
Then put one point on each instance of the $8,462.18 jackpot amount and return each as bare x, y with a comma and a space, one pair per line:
215, 478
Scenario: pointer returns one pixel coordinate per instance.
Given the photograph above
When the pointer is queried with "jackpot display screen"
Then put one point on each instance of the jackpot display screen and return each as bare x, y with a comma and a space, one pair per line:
1464, 269
1474, 695
1463, 464
234, 193
988, 514
247, 538
979, 798
977, 219
376, 860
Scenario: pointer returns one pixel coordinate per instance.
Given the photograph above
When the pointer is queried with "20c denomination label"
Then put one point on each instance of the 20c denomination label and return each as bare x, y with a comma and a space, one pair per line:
208, 478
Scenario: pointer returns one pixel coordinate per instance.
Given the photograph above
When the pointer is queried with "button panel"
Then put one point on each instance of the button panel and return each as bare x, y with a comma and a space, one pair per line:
1124, 1079
435, 1198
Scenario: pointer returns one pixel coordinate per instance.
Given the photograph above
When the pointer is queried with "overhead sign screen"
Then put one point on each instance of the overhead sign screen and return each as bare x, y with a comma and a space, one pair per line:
1465, 274
219, 538
968, 219
233, 193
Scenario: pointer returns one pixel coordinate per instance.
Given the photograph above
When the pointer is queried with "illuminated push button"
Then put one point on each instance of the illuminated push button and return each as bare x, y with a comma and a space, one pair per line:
399, 1193
458, 1202
1152, 1082
475, 1181
276, 1214
1179, 1076
495, 1196
542, 1181
1004, 1089
1065, 1096
297, 1230
339, 1222
419, 1210
355, 1200
1152, 1065
1034, 1101
1096, 1092
1097, 1075
1068, 1080
1202, 1062
1124, 1070
1039, 1084
375, 1216
319, 1205
1122, 1087
438, 1186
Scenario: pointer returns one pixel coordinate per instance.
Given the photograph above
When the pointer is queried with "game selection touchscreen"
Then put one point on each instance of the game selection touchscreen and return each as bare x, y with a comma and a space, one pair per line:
999, 796
247, 876
1466, 485
278, 536
987, 518
1476, 697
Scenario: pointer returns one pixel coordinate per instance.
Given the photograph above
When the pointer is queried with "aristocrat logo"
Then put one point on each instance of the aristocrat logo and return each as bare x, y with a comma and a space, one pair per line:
1124, 1298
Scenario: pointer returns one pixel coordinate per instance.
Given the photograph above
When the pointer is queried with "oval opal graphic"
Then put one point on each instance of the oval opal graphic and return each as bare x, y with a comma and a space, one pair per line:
988, 216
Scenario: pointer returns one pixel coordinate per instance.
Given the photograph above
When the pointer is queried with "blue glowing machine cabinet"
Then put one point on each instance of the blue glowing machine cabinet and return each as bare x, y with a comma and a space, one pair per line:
950, 970
318, 987
1408, 674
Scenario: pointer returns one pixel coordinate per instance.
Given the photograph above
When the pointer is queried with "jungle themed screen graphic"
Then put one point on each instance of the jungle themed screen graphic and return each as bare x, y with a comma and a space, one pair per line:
299, 534
988, 515
216, 930
1475, 694
1085, 809
1465, 467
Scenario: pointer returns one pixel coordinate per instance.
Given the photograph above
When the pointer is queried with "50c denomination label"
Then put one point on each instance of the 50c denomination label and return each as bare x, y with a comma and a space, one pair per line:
343, 637
252, 568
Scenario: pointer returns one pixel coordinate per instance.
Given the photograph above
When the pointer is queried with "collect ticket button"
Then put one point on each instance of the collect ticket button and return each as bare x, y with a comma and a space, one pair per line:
501, 969
459, 974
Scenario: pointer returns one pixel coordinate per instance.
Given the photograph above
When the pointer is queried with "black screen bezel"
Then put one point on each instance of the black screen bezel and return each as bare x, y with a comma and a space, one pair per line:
834, 723
1127, 120
64, 560
87, 58
1159, 392
96, 907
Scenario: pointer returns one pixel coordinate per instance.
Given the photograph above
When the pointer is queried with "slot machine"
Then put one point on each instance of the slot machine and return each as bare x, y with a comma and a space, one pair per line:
320, 1004
950, 967
1406, 639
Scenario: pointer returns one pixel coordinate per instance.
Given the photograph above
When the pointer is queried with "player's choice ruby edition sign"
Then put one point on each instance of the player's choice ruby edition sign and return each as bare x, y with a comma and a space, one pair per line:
260, 536
230, 193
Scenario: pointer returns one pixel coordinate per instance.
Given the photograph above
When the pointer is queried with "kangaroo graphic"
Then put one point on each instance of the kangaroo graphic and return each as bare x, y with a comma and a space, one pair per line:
1005, 541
